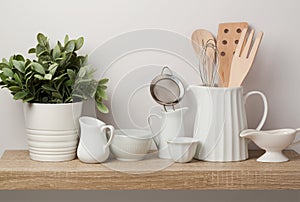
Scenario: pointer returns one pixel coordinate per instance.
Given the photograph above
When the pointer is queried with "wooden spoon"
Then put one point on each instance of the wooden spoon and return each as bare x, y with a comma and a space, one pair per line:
200, 37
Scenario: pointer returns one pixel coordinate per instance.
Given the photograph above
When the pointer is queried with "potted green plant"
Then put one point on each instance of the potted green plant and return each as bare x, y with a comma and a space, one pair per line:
52, 87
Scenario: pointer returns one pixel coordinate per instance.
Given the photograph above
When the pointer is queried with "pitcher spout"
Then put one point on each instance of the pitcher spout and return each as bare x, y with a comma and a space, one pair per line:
199, 92
183, 110
192, 88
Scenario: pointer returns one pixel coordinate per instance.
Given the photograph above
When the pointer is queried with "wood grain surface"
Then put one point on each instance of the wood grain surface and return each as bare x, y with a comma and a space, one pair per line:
18, 172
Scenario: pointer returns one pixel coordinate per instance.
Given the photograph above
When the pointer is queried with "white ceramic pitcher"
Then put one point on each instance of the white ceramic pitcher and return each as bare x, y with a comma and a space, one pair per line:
93, 145
220, 117
171, 127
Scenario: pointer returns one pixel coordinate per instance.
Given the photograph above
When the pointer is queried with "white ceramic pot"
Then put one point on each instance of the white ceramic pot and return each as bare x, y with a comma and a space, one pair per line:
52, 130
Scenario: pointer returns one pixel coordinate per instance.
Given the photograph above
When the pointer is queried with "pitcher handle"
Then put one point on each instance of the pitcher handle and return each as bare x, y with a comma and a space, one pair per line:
112, 133
264, 117
156, 140
149, 121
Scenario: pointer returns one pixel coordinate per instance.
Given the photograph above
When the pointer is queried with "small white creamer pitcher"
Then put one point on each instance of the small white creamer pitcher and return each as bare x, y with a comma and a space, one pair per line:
171, 127
220, 117
93, 145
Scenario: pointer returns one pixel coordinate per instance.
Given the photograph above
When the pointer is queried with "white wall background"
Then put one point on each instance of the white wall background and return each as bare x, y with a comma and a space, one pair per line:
275, 71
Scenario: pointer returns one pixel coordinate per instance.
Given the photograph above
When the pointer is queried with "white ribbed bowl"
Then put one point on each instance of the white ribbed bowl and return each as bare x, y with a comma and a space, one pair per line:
182, 149
131, 144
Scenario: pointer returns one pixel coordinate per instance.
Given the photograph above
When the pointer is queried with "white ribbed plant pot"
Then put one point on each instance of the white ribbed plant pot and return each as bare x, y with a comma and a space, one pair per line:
52, 130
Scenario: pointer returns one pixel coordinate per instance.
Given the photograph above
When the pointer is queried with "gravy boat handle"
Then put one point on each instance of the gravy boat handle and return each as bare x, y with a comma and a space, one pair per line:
297, 142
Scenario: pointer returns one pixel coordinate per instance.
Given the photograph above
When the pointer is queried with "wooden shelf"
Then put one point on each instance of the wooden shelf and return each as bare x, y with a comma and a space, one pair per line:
18, 172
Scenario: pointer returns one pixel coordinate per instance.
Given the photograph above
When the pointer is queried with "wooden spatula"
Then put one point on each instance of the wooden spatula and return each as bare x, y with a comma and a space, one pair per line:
243, 58
200, 38
227, 40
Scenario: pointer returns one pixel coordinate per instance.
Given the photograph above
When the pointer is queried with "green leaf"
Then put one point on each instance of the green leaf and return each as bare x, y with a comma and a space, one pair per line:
19, 65
11, 82
70, 46
28, 80
20, 95
53, 66
45, 52
102, 87
101, 93
71, 74
28, 98
103, 81
7, 72
101, 107
28, 74
3, 65
69, 99
52, 71
56, 95
39, 77
5, 61
31, 50
79, 43
40, 50
56, 52
69, 83
59, 45
18, 80
85, 88
10, 61
66, 39
48, 87
19, 58
38, 68
27, 65
83, 60
3, 77
42, 39
14, 88
60, 82
81, 72
48, 76
59, 77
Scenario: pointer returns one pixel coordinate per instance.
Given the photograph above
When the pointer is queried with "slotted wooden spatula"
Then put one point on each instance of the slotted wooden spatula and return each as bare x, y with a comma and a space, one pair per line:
243, 58
227, 40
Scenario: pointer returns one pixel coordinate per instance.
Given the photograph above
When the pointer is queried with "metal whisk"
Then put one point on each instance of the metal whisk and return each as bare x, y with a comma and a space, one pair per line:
208, 63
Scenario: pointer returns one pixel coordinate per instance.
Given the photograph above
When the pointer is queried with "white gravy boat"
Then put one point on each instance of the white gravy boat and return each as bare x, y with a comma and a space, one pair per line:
273, 141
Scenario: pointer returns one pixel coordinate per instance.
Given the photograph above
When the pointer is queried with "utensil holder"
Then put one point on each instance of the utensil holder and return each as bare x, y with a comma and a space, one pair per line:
220, 117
